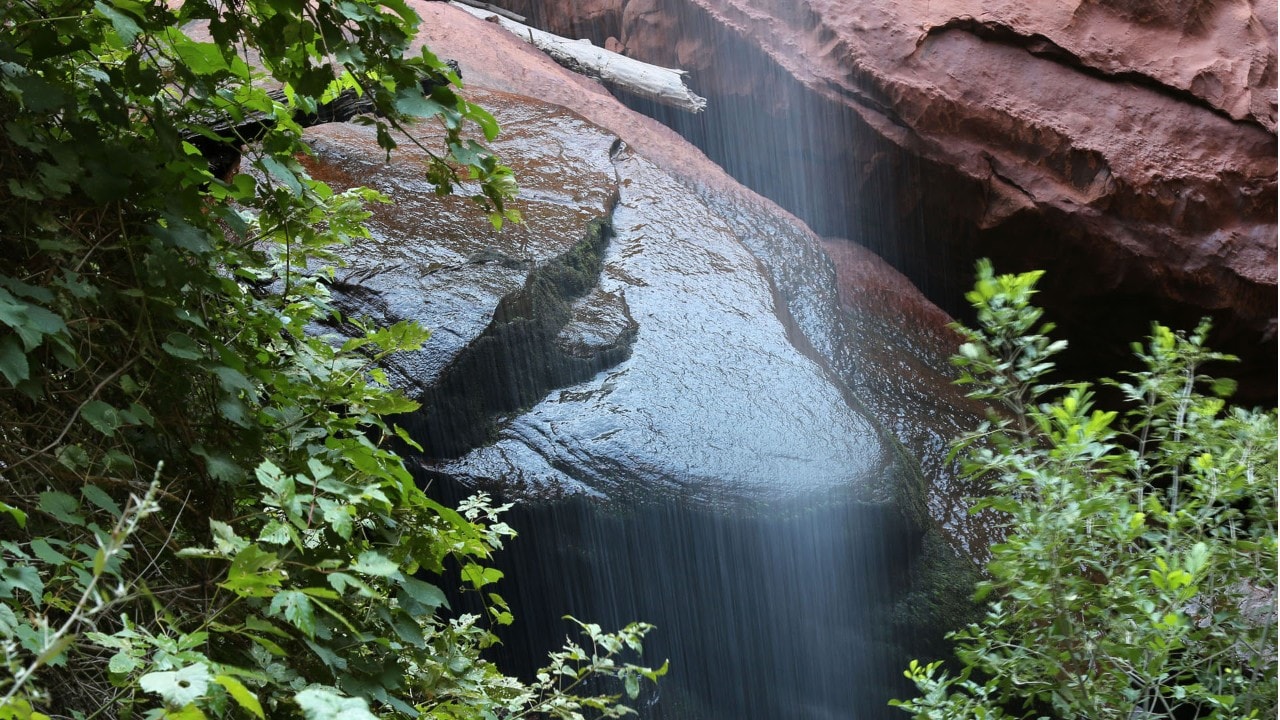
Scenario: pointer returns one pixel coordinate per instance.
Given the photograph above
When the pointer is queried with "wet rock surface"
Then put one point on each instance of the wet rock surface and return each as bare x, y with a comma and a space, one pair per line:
437, 260
714, 404
1127, 147
820, 320
635, 339
695, 403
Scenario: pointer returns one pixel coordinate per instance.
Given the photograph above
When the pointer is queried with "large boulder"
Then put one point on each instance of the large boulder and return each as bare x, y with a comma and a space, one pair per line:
720, 429
1127, 147
652, 329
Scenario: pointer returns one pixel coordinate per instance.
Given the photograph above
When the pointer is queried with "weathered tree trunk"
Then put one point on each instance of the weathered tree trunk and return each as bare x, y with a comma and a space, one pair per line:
662, 85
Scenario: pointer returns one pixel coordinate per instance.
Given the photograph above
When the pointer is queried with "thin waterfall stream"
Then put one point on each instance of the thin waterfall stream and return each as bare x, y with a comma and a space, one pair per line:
706, 423
779, 589
787, 613
729, 416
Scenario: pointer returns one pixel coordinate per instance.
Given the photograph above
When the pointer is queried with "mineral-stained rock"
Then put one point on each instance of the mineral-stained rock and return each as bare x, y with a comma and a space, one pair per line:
1127, 147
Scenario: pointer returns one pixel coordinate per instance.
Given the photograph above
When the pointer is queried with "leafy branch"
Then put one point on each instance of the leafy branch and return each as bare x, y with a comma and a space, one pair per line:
1136, 576
156, 314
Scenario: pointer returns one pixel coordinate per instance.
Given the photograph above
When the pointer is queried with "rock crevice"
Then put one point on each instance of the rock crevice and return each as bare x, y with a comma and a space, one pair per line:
1044, 47
535, 343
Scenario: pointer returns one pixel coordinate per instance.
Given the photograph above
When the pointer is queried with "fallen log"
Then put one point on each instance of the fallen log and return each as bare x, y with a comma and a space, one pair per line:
493, 9
662, 85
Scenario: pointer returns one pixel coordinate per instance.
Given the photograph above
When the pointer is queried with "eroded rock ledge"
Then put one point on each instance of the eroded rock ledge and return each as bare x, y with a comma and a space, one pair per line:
1127, 147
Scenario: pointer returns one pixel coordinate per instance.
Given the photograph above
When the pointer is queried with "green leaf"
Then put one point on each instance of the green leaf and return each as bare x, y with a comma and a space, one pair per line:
340, 581
32, 322
375, 564
408, 630
19, 708
122, 663
270, 646
480, 576
1196, 558
404, 437
190, 712
178, 688
425, 594
234, 410
181, 234
18, 516
225, 538
253, 573
1224, 387
233, 380
221, 466
55, 652
182, 346
488, 125
61, 506
41, 548
274, 479
411, 101
327, 656
13, 361
124, 25
8, 621
281, 172
460, 664
241, 695
323, 703
103, 417
296, 608
276, 533
73, 457
200, 58
21, 577
338, 515
97, 496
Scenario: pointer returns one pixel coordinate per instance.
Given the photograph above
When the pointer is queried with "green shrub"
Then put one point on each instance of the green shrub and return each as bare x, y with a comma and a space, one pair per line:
203, 514
1137, 578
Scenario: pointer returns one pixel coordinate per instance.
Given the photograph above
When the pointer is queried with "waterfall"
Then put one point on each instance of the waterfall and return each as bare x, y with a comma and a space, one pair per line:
794, 612
740, 493
705, 426
746, 445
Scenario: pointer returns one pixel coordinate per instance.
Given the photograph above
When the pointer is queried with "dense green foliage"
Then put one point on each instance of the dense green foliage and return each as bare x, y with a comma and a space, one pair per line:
202, 514
1138, 576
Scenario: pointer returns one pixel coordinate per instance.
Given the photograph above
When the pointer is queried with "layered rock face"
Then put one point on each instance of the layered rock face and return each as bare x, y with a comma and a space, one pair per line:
1127, 147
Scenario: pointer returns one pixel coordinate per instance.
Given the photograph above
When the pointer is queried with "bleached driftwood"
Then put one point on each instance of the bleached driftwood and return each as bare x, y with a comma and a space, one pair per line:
663, 85
493, 9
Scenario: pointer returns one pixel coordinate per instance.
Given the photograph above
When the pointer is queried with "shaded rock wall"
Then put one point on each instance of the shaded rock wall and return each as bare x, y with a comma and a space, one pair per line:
1127, 147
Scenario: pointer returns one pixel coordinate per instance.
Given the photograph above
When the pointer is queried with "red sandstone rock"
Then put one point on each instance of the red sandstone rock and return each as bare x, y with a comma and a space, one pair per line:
493, 60
1129, 143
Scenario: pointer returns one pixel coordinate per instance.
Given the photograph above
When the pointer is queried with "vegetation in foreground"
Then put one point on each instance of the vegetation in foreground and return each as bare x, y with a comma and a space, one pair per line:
202, 514
1138, 576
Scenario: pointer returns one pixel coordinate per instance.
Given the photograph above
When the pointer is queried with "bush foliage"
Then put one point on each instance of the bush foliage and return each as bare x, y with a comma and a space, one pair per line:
203, 515
1138, 576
